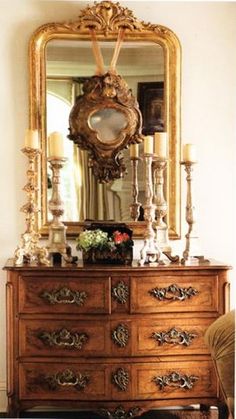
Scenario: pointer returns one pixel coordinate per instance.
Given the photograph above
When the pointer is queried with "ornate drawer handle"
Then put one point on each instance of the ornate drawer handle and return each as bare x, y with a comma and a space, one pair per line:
174, 336
120, 292
174, 379
67, 378
173, 292
120, 413
121, 379
120, 335
63, 338
64, 296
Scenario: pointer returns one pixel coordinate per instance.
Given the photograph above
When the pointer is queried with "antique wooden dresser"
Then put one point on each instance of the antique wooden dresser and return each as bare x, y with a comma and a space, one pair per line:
115, 340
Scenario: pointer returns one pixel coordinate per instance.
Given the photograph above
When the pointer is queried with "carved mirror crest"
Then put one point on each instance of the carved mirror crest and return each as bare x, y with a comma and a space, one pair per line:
61, 55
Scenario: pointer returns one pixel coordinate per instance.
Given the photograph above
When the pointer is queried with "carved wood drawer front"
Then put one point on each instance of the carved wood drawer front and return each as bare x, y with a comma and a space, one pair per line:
170, 380
63, 338
170, 336
159, 294
64, 295
139, 381
63, 381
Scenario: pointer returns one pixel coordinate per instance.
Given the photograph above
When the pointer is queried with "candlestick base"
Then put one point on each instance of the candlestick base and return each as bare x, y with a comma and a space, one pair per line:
58, 244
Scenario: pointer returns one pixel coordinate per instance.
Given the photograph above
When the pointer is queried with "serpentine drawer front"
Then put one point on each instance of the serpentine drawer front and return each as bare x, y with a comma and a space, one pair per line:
116, 339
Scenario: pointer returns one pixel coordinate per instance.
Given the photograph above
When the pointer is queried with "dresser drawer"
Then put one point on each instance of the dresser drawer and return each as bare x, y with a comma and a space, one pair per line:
171, 336
63, 338
170, 380
64, 295
139, 381
167, 293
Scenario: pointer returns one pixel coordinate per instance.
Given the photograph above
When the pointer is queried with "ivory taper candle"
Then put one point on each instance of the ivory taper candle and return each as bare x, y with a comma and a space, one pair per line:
189, 153
148, 144
160, 144
31, 138
134, 150
56, 145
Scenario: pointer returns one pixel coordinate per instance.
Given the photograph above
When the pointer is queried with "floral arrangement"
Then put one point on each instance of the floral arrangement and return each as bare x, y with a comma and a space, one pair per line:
98, 239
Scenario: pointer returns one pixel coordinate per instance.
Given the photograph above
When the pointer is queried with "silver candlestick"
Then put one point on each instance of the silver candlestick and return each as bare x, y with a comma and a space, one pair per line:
150, 253
192, 240
159, 165
29, 250
135, 206
57, 229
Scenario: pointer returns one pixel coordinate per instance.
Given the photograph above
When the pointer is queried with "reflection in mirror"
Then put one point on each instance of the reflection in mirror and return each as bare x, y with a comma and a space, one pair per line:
108, 123
68, 65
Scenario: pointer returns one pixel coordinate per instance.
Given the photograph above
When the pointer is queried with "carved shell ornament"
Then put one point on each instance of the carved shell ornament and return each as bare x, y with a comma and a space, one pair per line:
106, 117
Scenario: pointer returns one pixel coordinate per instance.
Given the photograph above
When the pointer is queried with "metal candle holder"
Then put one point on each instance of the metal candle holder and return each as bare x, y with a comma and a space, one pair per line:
150, 253
159, 165
135, 206
29, 251
192, 245
57, 229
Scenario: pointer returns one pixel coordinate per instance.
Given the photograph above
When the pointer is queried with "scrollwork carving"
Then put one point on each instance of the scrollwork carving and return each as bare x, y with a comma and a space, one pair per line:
120, 292
120, 413
173, 292
175, 379
63, 338
64, 296
174, 336
120, 335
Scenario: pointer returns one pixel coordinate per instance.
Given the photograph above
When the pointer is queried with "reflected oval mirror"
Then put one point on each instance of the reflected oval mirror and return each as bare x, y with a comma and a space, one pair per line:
61, 60
108, 123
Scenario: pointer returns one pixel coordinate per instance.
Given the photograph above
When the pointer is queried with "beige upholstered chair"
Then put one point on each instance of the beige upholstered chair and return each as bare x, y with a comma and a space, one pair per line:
220, 338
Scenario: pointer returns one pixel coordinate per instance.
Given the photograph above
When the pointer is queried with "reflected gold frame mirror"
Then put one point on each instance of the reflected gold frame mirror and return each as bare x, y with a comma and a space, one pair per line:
106, 18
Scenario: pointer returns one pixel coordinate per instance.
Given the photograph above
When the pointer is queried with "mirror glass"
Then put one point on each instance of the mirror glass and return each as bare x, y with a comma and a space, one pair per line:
108, 123
69, 63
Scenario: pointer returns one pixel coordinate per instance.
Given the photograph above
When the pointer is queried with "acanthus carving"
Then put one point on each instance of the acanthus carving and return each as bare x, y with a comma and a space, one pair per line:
120, 413
63, 338
174, 336
64, 296
173, 292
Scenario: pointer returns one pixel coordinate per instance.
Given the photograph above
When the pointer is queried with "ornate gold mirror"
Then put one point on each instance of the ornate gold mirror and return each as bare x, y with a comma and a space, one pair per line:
61, 62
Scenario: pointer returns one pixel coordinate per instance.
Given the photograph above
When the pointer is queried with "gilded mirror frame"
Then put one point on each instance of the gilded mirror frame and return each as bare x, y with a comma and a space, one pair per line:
106, 18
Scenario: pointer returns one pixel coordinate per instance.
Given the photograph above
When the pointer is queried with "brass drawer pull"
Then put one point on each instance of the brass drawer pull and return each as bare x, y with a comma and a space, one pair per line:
121, 379
67, 378
120, 413
174, 336
173, 292
63, 338
120, 335
120, 292
174, 379
64, 296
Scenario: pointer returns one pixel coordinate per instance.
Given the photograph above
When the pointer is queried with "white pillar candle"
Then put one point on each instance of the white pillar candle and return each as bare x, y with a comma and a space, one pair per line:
148, 144
134, 150
160, 144
56, 145
189, 153
31, 138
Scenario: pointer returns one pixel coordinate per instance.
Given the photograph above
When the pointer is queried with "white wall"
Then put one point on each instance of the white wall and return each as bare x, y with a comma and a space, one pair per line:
207, 32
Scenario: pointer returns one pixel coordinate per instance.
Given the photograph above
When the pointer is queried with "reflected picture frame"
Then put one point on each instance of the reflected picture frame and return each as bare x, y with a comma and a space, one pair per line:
151, 103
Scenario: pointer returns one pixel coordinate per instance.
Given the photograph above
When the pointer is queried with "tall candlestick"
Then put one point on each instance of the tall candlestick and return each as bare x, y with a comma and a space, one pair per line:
31, 139
148, 144
189, 153
160, 144
56, 145
134, 150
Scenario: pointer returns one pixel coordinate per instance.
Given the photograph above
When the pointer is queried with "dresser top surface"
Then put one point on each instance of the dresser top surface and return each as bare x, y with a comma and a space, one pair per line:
80, 266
